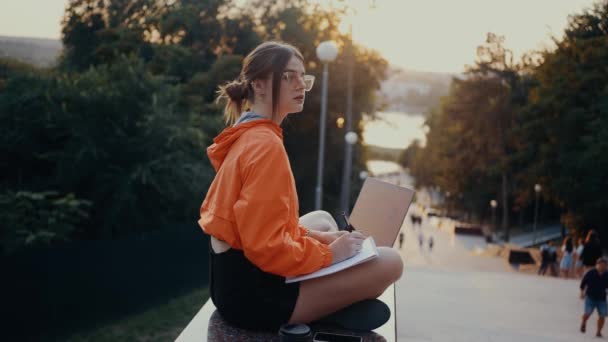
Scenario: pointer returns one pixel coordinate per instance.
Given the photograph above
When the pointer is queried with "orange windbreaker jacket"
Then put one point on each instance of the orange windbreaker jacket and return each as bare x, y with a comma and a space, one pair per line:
252, 203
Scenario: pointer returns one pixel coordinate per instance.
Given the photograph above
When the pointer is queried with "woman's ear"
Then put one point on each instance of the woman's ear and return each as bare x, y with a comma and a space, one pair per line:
259, 87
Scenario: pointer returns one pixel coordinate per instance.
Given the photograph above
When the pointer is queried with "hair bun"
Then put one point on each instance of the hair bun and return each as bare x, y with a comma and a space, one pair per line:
237, 90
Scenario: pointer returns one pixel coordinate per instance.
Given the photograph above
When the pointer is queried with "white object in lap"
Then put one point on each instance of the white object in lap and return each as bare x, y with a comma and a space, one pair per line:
219, 246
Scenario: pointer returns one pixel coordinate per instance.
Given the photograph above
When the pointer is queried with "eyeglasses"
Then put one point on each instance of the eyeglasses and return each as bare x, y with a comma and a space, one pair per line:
292, 77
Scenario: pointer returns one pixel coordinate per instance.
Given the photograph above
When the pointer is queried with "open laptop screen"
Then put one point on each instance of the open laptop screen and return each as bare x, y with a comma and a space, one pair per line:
380, 210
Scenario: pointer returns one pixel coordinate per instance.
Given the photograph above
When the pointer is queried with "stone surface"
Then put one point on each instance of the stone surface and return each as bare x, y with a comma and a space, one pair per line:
207, 325
220, 331
456, 292
464, 290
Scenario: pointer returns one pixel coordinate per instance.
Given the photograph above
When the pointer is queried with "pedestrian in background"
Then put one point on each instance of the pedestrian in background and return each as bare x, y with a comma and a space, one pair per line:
553, 261
593, 291
565, 266
544, 259
592, 250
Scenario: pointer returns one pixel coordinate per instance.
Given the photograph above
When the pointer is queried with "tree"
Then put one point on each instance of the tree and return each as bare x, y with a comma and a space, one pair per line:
565, 126
548, 123
496, 62
470, 143
97, 31
112, 136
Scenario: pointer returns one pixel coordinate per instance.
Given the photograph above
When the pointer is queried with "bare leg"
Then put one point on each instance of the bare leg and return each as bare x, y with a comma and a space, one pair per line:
584, 322
600, 325
322, 296
542, 269
319, 220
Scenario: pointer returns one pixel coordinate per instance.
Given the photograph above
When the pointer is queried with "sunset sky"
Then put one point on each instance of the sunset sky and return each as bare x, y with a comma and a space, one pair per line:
429, 35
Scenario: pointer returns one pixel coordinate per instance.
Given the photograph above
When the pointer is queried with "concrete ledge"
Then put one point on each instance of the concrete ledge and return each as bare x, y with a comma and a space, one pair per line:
207, 325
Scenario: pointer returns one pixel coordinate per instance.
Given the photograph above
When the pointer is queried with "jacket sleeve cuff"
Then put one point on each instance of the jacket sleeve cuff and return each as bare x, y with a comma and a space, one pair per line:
327, 255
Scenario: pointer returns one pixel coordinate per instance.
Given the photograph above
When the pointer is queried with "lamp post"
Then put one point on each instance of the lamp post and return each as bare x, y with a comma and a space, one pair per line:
493, 204
327, 52
348, 147
350, 138
537, 190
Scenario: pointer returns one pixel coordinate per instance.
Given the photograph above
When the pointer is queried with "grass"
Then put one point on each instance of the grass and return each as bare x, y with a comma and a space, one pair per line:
162, 323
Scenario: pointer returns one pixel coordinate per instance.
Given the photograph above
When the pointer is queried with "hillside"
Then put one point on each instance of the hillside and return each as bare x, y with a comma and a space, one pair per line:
413, 91
37, 51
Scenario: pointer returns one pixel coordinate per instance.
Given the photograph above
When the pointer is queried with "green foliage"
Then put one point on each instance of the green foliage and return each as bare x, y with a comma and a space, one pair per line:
112, 135
24, 130
124, 120
98, 32
566, 121
505, 127
38, 218
10, 67
470, 140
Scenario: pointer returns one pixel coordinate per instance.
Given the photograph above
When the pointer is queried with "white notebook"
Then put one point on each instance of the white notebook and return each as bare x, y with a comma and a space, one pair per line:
368, 251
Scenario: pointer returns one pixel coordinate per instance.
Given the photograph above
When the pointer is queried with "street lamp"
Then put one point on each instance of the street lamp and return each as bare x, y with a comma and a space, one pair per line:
537, 190
348, 147
351, 139
327, 52
493, 204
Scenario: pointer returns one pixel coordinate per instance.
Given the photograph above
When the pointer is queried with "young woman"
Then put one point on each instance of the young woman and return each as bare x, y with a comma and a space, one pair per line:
565, 265
251, 213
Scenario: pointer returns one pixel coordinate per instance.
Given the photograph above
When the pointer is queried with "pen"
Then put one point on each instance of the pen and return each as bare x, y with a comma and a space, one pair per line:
349, 227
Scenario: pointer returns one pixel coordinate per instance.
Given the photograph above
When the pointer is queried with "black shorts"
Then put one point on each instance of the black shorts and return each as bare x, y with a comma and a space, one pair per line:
248, 297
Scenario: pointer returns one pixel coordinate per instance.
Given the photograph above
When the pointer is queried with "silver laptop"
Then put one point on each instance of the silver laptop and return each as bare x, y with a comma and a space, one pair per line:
380, 210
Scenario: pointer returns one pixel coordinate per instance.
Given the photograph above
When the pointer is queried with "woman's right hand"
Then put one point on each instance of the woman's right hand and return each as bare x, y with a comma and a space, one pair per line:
346, 246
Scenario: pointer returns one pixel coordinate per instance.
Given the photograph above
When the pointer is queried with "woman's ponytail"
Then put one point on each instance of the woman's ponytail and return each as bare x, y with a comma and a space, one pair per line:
236, 94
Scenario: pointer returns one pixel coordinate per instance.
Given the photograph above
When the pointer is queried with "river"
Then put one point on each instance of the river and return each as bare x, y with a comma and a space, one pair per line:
392, 130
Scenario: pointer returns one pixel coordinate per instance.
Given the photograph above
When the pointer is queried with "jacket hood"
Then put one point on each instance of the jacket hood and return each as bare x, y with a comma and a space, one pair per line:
222, 144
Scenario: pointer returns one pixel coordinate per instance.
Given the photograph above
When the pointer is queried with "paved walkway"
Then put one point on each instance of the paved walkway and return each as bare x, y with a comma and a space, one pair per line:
454, 294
